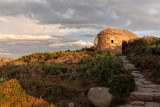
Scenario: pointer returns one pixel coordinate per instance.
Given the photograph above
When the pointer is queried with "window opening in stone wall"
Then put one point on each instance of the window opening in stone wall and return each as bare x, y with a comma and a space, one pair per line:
112, 41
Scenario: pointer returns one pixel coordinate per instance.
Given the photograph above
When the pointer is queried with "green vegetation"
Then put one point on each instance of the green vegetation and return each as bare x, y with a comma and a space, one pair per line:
145, 53
63, 77
110, 73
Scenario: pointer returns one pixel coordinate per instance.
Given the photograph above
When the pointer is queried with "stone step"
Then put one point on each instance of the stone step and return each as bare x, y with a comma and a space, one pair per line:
142, 96
141, 89
151, 86
137, 103
145, 96
135, 71
137, 75
126, 64
126, 61
138, 83
142, 104
152, 104
130, 106
146, 82
123, 57
157, 96
129, 66
141, 79
145, 90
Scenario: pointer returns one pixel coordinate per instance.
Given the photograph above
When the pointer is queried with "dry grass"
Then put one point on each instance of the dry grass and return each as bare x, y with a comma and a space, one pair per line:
13, 95
42, 79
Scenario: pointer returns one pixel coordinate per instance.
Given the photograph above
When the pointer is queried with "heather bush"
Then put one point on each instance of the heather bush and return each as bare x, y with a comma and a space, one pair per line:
156, 76
145, 54
55, 69
111, 74
121, 85
63, 77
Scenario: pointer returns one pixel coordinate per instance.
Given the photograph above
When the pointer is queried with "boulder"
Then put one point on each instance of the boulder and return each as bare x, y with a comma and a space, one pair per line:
71, 104
100, 96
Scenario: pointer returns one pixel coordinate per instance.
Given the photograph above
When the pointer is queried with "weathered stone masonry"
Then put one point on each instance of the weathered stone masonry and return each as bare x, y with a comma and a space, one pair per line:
111, 39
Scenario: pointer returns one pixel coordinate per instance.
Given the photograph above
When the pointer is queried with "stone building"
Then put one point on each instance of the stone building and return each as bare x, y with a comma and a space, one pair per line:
111, 39
96, 41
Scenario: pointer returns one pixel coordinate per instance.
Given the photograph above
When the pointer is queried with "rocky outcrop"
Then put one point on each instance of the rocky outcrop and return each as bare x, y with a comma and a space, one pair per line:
100, 96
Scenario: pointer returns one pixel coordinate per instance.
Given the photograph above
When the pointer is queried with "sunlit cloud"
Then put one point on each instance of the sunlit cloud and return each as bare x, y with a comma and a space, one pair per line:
6, 54
25, 37
28, 26
68, 44
4, 20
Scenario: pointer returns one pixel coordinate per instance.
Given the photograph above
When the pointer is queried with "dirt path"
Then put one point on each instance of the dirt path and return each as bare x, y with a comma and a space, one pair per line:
146, 93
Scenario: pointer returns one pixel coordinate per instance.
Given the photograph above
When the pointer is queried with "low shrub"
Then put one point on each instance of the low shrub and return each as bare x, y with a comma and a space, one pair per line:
55, 69
145, 54
11, 93
111, 74
121, 85
156, 76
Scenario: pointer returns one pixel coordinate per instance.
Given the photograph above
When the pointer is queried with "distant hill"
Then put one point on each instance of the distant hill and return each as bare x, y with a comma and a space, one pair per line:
4, 59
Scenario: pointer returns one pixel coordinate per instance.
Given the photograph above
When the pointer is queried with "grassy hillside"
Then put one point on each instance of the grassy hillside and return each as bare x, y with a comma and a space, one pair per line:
4, 60
145, 53
62, 77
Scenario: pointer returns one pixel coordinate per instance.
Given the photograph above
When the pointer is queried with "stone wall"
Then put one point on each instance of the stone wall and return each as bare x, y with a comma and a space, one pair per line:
105, 42
96, 41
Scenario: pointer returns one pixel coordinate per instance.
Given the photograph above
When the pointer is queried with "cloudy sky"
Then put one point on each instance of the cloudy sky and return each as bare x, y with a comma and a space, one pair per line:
28, 26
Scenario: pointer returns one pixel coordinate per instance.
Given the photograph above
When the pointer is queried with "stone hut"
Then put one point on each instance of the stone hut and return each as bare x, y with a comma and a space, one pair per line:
111, 39
96, 41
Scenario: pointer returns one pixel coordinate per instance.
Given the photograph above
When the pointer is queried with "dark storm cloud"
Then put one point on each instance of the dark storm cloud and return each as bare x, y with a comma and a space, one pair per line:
97, 14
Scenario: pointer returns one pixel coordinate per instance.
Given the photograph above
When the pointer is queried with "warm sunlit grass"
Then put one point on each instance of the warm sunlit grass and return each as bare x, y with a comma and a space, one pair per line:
63, 77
